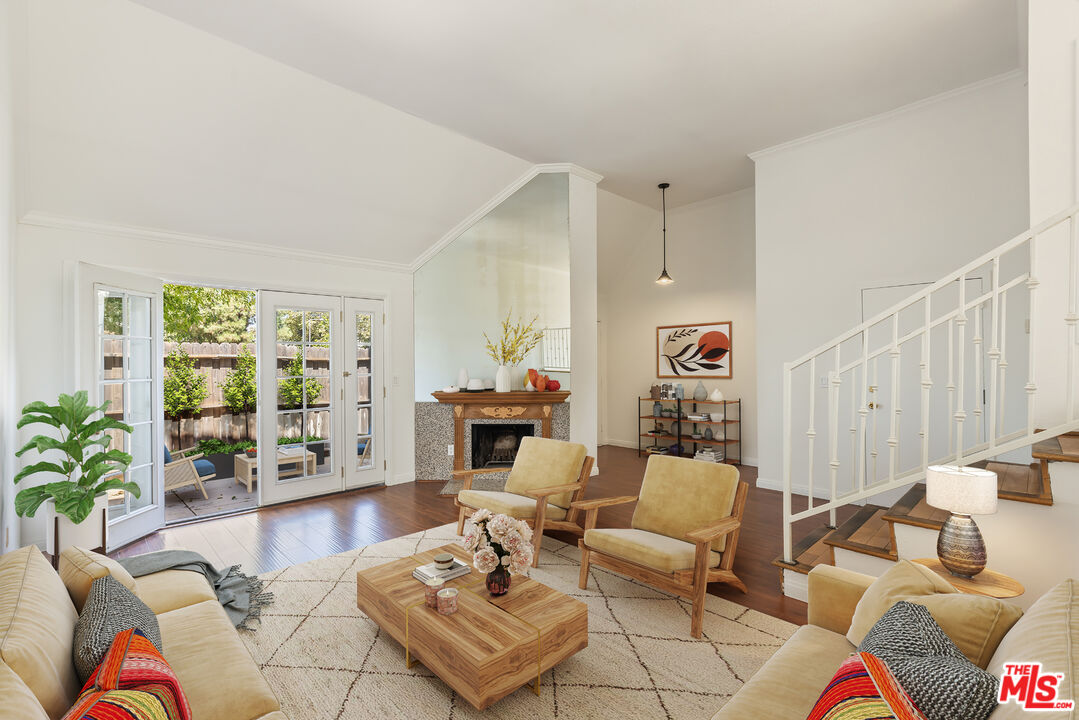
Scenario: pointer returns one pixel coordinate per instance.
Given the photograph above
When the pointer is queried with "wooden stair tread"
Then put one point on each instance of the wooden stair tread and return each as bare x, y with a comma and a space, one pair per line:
865, 532
1020, 483
912, 509
809, 552
1064, 448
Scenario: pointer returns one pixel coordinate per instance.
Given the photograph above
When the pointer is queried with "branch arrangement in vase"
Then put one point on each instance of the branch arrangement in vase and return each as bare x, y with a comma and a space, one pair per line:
516, 342
86, 458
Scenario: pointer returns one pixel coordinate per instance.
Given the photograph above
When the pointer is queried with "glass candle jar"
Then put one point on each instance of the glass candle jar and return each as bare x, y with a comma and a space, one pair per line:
430, 591
447, 601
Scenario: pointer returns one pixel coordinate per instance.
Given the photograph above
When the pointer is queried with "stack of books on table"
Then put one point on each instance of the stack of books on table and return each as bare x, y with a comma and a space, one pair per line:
715, 456
429, 572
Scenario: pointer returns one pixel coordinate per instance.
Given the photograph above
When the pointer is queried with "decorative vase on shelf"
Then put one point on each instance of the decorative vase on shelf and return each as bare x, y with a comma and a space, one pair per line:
708, 433
657, 409
655, 392
716, 396
498, 581
462, 378
699, 393
503, 379
679, 392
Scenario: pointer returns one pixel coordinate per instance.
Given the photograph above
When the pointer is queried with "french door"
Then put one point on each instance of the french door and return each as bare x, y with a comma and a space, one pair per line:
120, 349
320, 395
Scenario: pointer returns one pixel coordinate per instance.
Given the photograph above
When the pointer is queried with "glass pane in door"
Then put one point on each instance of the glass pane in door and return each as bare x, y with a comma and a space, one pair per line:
304, 404
364, 447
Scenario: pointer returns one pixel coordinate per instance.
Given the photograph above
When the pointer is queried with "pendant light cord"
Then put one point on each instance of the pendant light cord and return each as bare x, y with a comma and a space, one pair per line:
663, 192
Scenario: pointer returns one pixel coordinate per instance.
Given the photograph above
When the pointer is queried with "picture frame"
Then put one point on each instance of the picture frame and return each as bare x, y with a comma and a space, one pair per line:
695, 350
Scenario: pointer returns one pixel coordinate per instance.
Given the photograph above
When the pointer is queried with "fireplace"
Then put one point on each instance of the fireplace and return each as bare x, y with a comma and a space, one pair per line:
495, 444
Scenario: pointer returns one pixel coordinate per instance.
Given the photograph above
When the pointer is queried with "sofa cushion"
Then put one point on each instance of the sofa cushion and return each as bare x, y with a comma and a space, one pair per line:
656, 551
975, 623
943, 683
788, 685
518, 506
218, 676
79, 568
170, 589
680, 495
133, 663
1047, 633
37, 621
542, 462
110, 608
18, 701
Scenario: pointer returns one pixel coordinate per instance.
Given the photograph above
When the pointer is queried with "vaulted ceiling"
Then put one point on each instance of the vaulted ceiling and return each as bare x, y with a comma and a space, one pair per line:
637, 91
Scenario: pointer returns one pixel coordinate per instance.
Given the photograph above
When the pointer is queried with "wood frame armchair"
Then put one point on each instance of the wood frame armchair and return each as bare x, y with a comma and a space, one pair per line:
690, 583
539, 522
182, 472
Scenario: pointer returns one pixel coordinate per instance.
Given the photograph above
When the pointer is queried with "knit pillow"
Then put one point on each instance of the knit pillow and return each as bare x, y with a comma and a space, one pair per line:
863, 689
110, 608
941, 681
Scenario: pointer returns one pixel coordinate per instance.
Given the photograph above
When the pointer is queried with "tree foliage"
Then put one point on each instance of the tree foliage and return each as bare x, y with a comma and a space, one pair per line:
208, 315
290, 392
184, 387
87, 459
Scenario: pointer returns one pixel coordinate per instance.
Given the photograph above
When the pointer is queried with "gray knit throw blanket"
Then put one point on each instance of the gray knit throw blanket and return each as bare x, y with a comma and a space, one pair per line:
241, 595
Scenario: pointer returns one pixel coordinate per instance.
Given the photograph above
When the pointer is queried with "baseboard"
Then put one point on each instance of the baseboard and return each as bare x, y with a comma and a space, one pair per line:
632, 445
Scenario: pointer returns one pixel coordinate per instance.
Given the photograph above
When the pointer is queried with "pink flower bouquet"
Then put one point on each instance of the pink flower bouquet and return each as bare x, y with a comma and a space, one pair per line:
497, 540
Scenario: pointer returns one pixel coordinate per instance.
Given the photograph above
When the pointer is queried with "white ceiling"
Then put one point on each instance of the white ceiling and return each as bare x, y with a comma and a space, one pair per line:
637, 91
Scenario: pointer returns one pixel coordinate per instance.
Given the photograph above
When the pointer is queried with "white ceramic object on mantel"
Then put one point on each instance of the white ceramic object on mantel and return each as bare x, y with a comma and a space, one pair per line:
716, 396
503, 379
451, 389
462, 378
529, 387
87, 534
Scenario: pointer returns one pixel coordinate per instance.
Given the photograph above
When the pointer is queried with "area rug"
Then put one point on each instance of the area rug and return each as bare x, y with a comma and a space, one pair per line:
326, 660
495, 482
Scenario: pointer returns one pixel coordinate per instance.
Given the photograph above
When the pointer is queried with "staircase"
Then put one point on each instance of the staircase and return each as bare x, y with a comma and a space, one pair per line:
945, 377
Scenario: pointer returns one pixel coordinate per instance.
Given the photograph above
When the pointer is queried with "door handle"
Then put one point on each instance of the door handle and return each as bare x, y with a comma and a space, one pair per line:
875, 406
347, 373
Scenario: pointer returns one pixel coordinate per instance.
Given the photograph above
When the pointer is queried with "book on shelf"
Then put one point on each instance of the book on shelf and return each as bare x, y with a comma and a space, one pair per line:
429, 572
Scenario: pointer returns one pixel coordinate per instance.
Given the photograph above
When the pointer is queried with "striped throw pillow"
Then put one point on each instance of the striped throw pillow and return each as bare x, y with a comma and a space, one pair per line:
864, 689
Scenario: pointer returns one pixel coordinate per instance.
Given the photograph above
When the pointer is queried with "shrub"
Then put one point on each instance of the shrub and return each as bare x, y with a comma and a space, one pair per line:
185, 389
239, 391
290, 392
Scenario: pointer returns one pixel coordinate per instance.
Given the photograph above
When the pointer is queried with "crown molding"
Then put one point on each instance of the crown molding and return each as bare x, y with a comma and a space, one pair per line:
895, 112
479, 213
168, 237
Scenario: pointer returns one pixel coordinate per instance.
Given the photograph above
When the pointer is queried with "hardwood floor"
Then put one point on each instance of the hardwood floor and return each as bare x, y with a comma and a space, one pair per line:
283, 535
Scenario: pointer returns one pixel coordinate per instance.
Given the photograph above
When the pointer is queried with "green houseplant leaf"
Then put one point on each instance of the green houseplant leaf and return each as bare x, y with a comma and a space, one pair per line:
85, 457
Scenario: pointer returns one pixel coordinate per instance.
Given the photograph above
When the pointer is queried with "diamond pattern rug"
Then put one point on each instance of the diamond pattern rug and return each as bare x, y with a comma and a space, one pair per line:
326, 660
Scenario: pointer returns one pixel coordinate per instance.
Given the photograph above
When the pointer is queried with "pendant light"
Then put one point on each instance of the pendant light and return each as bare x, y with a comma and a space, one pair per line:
664, 278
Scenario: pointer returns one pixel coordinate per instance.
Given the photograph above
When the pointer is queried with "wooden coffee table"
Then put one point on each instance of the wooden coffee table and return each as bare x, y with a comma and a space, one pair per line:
290, 462
492, 645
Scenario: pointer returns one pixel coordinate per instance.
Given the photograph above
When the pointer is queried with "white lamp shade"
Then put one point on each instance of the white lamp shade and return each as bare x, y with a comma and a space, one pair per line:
963, 490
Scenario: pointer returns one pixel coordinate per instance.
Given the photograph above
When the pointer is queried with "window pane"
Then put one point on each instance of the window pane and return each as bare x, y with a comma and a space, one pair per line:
289, 326
138, 312
111, 307
289, 427
364, 420
363, 329
289, 360
140, 444
322, 463
140, 359
364, 451
317, 392
318, 327
317, 360
113, 394
140, 403
363, 388
144, 478
290, 394
112, 358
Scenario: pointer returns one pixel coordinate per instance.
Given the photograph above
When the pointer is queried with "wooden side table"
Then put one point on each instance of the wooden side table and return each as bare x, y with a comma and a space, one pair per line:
988, 582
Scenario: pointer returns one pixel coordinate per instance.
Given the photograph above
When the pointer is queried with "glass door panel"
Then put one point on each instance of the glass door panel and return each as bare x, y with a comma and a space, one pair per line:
363, 386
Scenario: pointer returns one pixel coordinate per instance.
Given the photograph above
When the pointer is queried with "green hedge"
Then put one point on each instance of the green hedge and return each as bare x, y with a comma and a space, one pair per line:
213, 446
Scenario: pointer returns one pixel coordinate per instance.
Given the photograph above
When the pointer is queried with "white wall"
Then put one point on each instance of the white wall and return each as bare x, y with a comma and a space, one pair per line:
9, 527
44, 262
901, 198
515, 260
710, 255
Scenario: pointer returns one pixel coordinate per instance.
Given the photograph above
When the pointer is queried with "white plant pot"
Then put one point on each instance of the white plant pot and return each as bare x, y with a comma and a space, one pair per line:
503, 379
88, 534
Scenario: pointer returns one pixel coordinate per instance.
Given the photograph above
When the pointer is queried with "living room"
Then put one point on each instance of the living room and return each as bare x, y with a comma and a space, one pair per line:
393, 183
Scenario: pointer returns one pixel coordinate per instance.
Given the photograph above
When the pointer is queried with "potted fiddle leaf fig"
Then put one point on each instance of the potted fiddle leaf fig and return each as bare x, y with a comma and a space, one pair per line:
90, 469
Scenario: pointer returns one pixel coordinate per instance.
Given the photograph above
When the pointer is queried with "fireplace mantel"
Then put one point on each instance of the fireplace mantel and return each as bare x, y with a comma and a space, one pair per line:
497, 406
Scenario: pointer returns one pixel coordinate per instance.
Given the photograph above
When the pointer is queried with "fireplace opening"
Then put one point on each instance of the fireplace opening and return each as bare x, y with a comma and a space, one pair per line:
495, 445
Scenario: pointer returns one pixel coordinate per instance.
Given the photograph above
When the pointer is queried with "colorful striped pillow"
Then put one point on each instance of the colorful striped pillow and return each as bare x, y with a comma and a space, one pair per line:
132, 682
864, 689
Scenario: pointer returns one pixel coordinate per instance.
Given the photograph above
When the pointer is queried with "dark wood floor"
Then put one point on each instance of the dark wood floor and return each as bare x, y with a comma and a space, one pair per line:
287, 534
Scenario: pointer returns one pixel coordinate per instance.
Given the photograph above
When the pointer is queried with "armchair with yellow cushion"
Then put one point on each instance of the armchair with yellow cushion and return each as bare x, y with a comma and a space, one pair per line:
547, 476
683, 534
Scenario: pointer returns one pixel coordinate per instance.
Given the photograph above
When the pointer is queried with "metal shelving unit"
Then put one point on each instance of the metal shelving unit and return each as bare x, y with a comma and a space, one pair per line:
678, 425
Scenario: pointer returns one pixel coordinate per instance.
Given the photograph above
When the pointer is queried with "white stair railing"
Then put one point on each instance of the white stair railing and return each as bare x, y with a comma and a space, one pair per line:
944, 324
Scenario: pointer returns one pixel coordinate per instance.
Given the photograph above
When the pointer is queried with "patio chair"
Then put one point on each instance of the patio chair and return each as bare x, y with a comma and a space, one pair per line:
546, 477
683, 534
187, 467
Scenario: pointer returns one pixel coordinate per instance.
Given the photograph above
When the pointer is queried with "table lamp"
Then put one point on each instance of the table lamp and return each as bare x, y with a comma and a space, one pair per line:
962, 491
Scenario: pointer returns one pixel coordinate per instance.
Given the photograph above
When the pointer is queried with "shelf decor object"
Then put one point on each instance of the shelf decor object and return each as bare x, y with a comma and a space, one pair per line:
701, 350
691, 421
962, 491
664, 278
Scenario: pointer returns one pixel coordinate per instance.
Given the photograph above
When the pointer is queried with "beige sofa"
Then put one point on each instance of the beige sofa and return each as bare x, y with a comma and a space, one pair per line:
38, 609
788, 685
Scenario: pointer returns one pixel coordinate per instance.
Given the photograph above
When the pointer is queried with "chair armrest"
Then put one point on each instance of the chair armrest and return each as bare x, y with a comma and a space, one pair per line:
553, 490
196, 456
833, 595
708, 534
603, 502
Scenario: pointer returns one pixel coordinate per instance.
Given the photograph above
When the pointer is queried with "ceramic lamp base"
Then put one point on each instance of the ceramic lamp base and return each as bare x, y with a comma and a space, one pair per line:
960, 546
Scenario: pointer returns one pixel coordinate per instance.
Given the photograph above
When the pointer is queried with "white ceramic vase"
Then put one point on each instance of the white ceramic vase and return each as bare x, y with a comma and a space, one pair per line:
503, 379
716, 396
87, 534
462, 378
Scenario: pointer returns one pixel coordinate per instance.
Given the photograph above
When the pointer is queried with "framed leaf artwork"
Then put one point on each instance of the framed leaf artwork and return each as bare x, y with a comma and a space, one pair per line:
697, 351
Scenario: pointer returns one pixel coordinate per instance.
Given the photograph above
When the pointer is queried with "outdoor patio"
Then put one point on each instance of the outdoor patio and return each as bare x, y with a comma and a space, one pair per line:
225, 495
